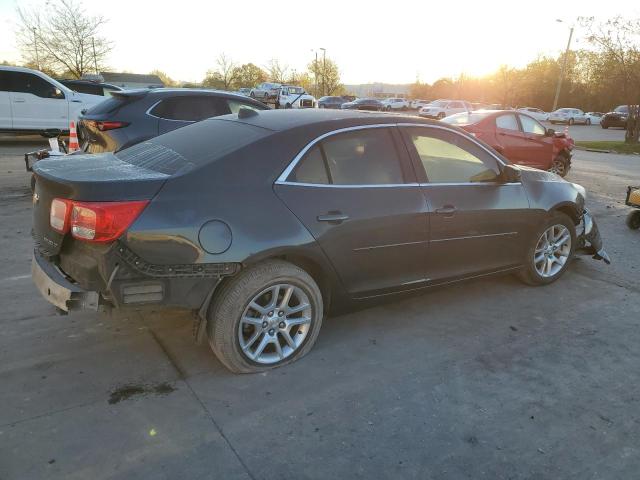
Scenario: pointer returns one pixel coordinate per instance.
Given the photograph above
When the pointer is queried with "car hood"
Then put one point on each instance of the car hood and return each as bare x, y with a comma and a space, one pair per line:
530, 174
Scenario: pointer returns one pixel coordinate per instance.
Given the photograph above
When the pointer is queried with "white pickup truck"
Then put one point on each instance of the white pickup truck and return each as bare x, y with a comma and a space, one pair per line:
31, 101
291, 96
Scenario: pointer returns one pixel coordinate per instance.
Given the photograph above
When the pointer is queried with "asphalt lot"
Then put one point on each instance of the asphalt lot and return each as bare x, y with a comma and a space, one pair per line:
488, 379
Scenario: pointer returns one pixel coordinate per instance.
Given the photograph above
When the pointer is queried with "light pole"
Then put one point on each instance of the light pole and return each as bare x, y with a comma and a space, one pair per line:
564, 67
324, 68
35, 43
315, 69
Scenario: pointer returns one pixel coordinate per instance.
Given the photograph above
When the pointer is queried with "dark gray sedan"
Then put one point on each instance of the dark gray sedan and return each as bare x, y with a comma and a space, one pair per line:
262, 222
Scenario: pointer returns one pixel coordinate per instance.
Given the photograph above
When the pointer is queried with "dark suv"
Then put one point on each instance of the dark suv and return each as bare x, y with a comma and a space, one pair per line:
617, 118
132, 116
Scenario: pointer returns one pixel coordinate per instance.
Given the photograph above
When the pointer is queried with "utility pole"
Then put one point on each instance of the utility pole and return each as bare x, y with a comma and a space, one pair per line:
35, 43
564, 68
315, 71
324, 69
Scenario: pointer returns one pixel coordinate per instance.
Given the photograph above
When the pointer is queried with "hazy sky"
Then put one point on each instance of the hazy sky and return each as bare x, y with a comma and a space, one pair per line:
390, 41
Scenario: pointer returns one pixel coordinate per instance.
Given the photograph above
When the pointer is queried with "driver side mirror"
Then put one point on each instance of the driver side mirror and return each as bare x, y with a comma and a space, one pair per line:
550, 132
510, 174
57, 93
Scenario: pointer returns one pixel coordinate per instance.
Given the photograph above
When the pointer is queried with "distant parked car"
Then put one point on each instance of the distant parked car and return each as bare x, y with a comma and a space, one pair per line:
569, 116
364, 104
91, 88
595, 117
31, 101
395, 104
244, 91
443, 108
617, 118
133, 116
331, 102
418, 104
536, 113
519, 137
265, 91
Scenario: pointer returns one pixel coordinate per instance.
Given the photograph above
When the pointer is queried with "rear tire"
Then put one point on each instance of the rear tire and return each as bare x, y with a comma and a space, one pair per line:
233, 301
633, 220
570, 122
441, 115
588, 122
540, 254
604, 125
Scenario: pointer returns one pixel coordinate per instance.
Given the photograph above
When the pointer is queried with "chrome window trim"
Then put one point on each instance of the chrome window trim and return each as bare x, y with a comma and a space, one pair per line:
282, 178
148, 112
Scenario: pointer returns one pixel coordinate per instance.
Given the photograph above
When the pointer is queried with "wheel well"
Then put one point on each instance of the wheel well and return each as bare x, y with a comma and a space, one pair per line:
316, 271
570, 211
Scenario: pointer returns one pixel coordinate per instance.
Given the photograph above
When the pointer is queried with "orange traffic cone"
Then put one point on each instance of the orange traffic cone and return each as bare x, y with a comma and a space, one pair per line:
73, 138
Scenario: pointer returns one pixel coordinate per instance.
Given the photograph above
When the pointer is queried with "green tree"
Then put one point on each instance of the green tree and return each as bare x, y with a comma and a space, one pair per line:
166, 79
249, 75
328, 77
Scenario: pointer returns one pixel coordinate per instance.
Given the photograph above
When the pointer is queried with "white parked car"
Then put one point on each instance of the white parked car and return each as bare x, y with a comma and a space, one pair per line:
31, 101
291, 96
395, 103
536, 113
265, 91
595, 117
418, 104
569, 116
443, 108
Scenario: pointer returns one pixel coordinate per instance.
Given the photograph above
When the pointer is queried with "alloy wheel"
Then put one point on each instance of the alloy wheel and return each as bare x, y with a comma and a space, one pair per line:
558, 167
275, 323
552, 251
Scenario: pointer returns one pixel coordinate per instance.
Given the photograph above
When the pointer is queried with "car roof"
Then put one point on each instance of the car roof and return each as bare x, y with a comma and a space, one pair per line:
286, 119
162, 92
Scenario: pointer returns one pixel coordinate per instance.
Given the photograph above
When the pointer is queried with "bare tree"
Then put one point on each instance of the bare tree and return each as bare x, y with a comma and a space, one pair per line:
618, 40
62, 37
277, 71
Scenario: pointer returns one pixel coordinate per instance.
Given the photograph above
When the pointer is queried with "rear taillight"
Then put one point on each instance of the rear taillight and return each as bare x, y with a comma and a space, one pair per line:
103, 126
94, 221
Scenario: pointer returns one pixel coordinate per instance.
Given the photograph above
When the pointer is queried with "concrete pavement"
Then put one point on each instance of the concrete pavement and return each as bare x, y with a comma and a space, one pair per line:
486, 379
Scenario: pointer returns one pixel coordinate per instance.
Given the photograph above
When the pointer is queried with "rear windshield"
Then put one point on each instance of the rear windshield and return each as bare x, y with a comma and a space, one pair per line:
110, 104
193, 146
465, 118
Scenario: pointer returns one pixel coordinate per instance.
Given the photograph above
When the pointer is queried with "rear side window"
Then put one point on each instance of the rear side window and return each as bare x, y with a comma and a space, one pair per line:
529, 125
507, 122
191, 108
4, 81
86, 88
361, 157
29, 83
111, 104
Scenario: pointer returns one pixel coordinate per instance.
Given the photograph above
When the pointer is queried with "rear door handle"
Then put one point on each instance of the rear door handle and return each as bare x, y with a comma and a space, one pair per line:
333, 217
18, 100
447, 210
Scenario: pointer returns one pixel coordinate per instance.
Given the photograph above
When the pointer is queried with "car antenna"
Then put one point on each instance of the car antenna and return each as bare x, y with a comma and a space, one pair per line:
245, 112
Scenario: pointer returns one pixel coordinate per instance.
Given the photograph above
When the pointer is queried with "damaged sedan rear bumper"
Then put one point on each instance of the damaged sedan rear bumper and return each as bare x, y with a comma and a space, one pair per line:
589, 239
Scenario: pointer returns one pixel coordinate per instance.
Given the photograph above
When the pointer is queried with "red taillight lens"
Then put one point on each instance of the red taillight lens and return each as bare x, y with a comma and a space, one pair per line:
102, 126
59, 215
95, 221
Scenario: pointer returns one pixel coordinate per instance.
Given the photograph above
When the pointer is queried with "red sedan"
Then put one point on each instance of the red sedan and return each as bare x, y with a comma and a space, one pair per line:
518, 137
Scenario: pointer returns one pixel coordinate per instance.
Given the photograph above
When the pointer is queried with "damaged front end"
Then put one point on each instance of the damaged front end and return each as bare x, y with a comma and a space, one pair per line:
589, 240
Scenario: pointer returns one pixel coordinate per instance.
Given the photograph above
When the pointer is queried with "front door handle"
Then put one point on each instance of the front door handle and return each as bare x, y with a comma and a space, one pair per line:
447, 210
18, 100
333, 217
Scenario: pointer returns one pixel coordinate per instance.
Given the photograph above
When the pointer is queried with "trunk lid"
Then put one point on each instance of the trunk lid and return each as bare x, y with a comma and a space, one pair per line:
98, 178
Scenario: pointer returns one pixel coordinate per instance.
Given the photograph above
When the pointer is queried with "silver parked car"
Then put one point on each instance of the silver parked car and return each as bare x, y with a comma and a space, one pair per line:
265, 91
569, 116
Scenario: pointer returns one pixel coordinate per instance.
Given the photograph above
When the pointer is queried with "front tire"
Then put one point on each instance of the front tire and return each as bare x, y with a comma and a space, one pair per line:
441, 115
560, 165
633, 220
267, 316
588, 122
570, 122
550, 251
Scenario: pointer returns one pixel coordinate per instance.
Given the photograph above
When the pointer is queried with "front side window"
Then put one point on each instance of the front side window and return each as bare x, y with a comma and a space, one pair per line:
29, 83
191, 108
507, 122
448, 157
360, 157
529, 125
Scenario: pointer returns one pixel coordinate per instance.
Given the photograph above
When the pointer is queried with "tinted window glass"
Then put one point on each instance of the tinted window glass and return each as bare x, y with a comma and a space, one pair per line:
311, 169
363, 157
507, 122
111, 104
529, 125
456, 105
30, 83
86, 88
191, 108
4, 81
450, 158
